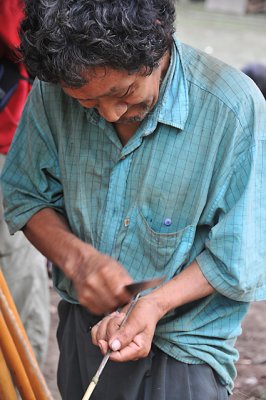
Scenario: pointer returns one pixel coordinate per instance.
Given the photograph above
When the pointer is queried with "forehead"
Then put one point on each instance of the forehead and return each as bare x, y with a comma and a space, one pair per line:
102, 81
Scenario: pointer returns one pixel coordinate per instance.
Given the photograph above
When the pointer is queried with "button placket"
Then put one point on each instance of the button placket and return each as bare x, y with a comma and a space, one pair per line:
115, 203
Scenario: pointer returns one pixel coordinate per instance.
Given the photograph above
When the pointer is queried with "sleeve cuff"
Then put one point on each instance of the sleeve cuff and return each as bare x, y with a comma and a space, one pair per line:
220, 279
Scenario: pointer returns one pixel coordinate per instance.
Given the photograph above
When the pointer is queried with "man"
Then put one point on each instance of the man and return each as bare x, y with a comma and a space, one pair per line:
23, 266
142, 157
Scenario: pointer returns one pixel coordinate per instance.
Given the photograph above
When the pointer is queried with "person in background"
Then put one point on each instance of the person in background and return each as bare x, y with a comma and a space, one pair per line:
23, 266
137, 157
257, 72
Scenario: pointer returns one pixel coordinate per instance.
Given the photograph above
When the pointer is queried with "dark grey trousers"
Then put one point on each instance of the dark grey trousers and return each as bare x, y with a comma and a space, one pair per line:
157, 377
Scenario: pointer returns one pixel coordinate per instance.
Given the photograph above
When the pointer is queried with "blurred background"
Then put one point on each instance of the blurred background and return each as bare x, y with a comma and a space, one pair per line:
235, 32
231, 30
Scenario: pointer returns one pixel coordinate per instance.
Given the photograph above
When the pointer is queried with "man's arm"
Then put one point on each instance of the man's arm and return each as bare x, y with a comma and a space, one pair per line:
134, 339
98, 279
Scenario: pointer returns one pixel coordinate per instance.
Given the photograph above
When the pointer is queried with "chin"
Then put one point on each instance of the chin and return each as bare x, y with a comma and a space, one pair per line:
133, 118
129, 120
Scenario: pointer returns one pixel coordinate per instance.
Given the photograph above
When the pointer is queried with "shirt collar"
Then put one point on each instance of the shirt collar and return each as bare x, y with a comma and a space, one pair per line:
174, 101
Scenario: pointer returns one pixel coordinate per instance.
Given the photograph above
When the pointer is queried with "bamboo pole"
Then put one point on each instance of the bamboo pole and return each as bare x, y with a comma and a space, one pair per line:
14, 362
7, 390
12, 306
25, 351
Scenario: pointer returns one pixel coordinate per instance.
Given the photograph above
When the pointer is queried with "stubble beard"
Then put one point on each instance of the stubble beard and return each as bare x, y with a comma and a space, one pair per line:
136, 118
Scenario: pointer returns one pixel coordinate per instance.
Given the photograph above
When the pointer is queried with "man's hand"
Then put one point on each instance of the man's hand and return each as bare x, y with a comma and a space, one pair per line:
133, 340
98, 279
100, 283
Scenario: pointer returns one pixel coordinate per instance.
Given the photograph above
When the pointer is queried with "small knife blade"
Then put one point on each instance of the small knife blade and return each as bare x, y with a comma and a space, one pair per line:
137, 287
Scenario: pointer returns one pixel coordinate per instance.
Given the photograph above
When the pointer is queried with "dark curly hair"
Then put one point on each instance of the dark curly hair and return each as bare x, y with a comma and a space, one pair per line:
60, 39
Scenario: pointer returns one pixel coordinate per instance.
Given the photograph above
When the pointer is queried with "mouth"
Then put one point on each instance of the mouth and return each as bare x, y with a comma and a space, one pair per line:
127, 119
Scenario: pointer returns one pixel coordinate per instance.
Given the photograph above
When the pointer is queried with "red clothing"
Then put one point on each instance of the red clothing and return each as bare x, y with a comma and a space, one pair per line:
11, 13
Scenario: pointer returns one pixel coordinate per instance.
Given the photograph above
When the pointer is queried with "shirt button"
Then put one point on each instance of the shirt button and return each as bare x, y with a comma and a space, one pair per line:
168, 222
126, 222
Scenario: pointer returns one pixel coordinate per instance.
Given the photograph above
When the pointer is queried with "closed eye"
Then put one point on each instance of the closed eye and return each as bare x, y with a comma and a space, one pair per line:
126, 93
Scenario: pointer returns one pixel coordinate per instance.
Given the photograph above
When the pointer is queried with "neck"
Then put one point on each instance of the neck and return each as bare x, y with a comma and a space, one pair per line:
165, 61
126, 131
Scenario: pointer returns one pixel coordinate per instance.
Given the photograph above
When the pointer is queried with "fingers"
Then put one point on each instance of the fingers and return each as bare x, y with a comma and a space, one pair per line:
100, 284
104, 330
101, 300
129, 342
137, 349
133, 340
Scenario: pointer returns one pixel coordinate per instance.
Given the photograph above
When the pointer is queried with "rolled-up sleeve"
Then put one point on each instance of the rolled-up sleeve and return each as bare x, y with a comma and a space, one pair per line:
234, 258
26, 187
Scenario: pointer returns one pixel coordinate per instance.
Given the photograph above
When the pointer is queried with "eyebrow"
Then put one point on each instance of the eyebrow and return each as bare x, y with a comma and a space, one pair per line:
114, 89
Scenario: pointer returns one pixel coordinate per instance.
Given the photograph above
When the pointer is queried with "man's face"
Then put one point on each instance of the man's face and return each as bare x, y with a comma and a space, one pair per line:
117, 96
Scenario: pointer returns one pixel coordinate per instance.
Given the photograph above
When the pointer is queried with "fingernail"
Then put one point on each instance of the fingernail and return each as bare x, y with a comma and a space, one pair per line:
115, 345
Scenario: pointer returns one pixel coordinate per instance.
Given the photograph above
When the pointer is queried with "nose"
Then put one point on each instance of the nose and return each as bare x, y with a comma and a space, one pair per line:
111, 111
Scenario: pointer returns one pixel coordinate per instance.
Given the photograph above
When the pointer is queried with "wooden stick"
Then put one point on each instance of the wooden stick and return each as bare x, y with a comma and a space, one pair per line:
89, 391
20, 338
12, 306
105, 359
14, 362
7, 390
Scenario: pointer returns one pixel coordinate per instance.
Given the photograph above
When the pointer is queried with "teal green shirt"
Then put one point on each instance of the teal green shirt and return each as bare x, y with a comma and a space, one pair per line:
190, 184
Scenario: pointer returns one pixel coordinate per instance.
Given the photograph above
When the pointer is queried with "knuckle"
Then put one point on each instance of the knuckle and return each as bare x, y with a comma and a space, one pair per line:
94, 330
125, 337
98, 336
83, 301
145, 350
111, 305
112, 327
145, 353
97, 310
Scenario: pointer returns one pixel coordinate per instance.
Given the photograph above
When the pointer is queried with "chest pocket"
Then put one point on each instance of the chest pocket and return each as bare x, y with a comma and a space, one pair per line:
148, 253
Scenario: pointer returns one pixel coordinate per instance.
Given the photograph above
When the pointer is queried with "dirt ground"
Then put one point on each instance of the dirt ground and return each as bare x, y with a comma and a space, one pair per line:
251, 380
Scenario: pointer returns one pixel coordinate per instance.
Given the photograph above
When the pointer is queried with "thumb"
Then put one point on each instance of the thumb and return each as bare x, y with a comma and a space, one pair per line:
115, 345
125, 334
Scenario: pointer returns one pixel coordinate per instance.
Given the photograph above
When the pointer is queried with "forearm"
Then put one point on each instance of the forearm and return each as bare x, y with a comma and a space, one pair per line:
188, 286
50, 233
